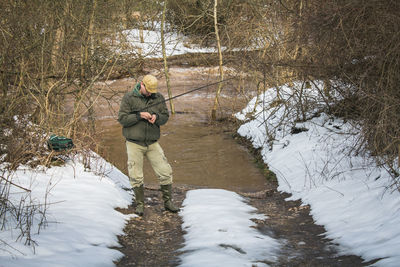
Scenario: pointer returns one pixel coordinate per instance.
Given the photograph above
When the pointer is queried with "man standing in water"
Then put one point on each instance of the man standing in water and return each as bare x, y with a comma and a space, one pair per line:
141, 118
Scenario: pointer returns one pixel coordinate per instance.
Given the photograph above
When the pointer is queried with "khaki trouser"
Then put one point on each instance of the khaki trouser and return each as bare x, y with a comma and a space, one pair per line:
158, 161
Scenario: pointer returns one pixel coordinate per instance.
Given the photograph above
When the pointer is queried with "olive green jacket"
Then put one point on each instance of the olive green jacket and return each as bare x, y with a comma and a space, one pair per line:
136, 129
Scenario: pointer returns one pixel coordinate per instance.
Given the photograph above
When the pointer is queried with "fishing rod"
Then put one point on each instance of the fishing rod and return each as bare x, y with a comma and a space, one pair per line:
190, 91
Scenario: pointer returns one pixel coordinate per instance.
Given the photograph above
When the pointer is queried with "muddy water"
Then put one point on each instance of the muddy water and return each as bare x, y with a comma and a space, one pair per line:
199, 152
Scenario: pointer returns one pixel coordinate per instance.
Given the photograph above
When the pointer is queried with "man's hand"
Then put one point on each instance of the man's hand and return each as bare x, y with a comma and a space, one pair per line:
153, 119
147, 116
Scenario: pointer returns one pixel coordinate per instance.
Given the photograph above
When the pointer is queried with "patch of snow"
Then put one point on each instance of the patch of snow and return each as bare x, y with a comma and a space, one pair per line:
219, 228
81, 221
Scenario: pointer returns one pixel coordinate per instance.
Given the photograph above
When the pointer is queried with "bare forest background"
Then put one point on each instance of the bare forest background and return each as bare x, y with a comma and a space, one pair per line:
52, 52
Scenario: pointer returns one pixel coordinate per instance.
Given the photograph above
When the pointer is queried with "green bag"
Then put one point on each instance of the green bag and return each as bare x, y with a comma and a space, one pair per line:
58, 143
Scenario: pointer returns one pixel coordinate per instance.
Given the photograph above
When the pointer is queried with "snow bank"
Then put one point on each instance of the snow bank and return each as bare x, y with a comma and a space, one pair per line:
348, 194
82, 223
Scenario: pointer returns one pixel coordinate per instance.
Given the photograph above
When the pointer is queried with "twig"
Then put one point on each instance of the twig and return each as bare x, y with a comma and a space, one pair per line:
23, 188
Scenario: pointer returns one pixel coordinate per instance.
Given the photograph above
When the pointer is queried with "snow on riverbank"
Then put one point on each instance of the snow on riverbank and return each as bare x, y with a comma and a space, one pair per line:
175, 44
347, 194
81, 221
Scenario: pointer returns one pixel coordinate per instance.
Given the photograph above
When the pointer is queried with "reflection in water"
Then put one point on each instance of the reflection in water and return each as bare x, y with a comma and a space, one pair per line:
200, 154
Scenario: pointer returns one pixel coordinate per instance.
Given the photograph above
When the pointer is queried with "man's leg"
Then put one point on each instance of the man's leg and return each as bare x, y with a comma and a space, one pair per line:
163, 170
135, 170
159, 162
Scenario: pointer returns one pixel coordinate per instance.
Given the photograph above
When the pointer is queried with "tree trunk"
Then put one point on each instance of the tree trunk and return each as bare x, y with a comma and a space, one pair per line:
165, 58
91, 40
221, 72
84, 88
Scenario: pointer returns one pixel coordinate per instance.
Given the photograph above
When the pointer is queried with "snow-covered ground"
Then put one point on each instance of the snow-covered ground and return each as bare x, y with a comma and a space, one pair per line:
219, 230
81, 221
151, 47
347, 194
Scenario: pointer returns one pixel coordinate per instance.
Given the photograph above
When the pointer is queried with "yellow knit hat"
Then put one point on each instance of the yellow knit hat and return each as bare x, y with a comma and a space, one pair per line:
151, 83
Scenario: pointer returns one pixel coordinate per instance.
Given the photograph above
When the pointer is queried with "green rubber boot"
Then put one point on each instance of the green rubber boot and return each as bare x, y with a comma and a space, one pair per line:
166, 192
139, 198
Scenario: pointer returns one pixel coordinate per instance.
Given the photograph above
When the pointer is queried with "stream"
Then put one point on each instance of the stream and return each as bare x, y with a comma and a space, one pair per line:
200, 153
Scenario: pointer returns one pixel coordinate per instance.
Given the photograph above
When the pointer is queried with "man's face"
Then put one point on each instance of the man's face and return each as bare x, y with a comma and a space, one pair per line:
143, 90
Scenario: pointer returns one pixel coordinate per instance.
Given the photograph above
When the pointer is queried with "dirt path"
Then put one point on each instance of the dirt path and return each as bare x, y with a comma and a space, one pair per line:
153, 240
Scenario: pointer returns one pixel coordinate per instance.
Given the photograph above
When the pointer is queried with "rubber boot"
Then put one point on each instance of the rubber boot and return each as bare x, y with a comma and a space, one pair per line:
139, 198
166, 192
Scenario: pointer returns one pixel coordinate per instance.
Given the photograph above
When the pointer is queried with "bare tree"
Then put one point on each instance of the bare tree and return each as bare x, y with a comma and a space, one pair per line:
221, 71
166, 72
